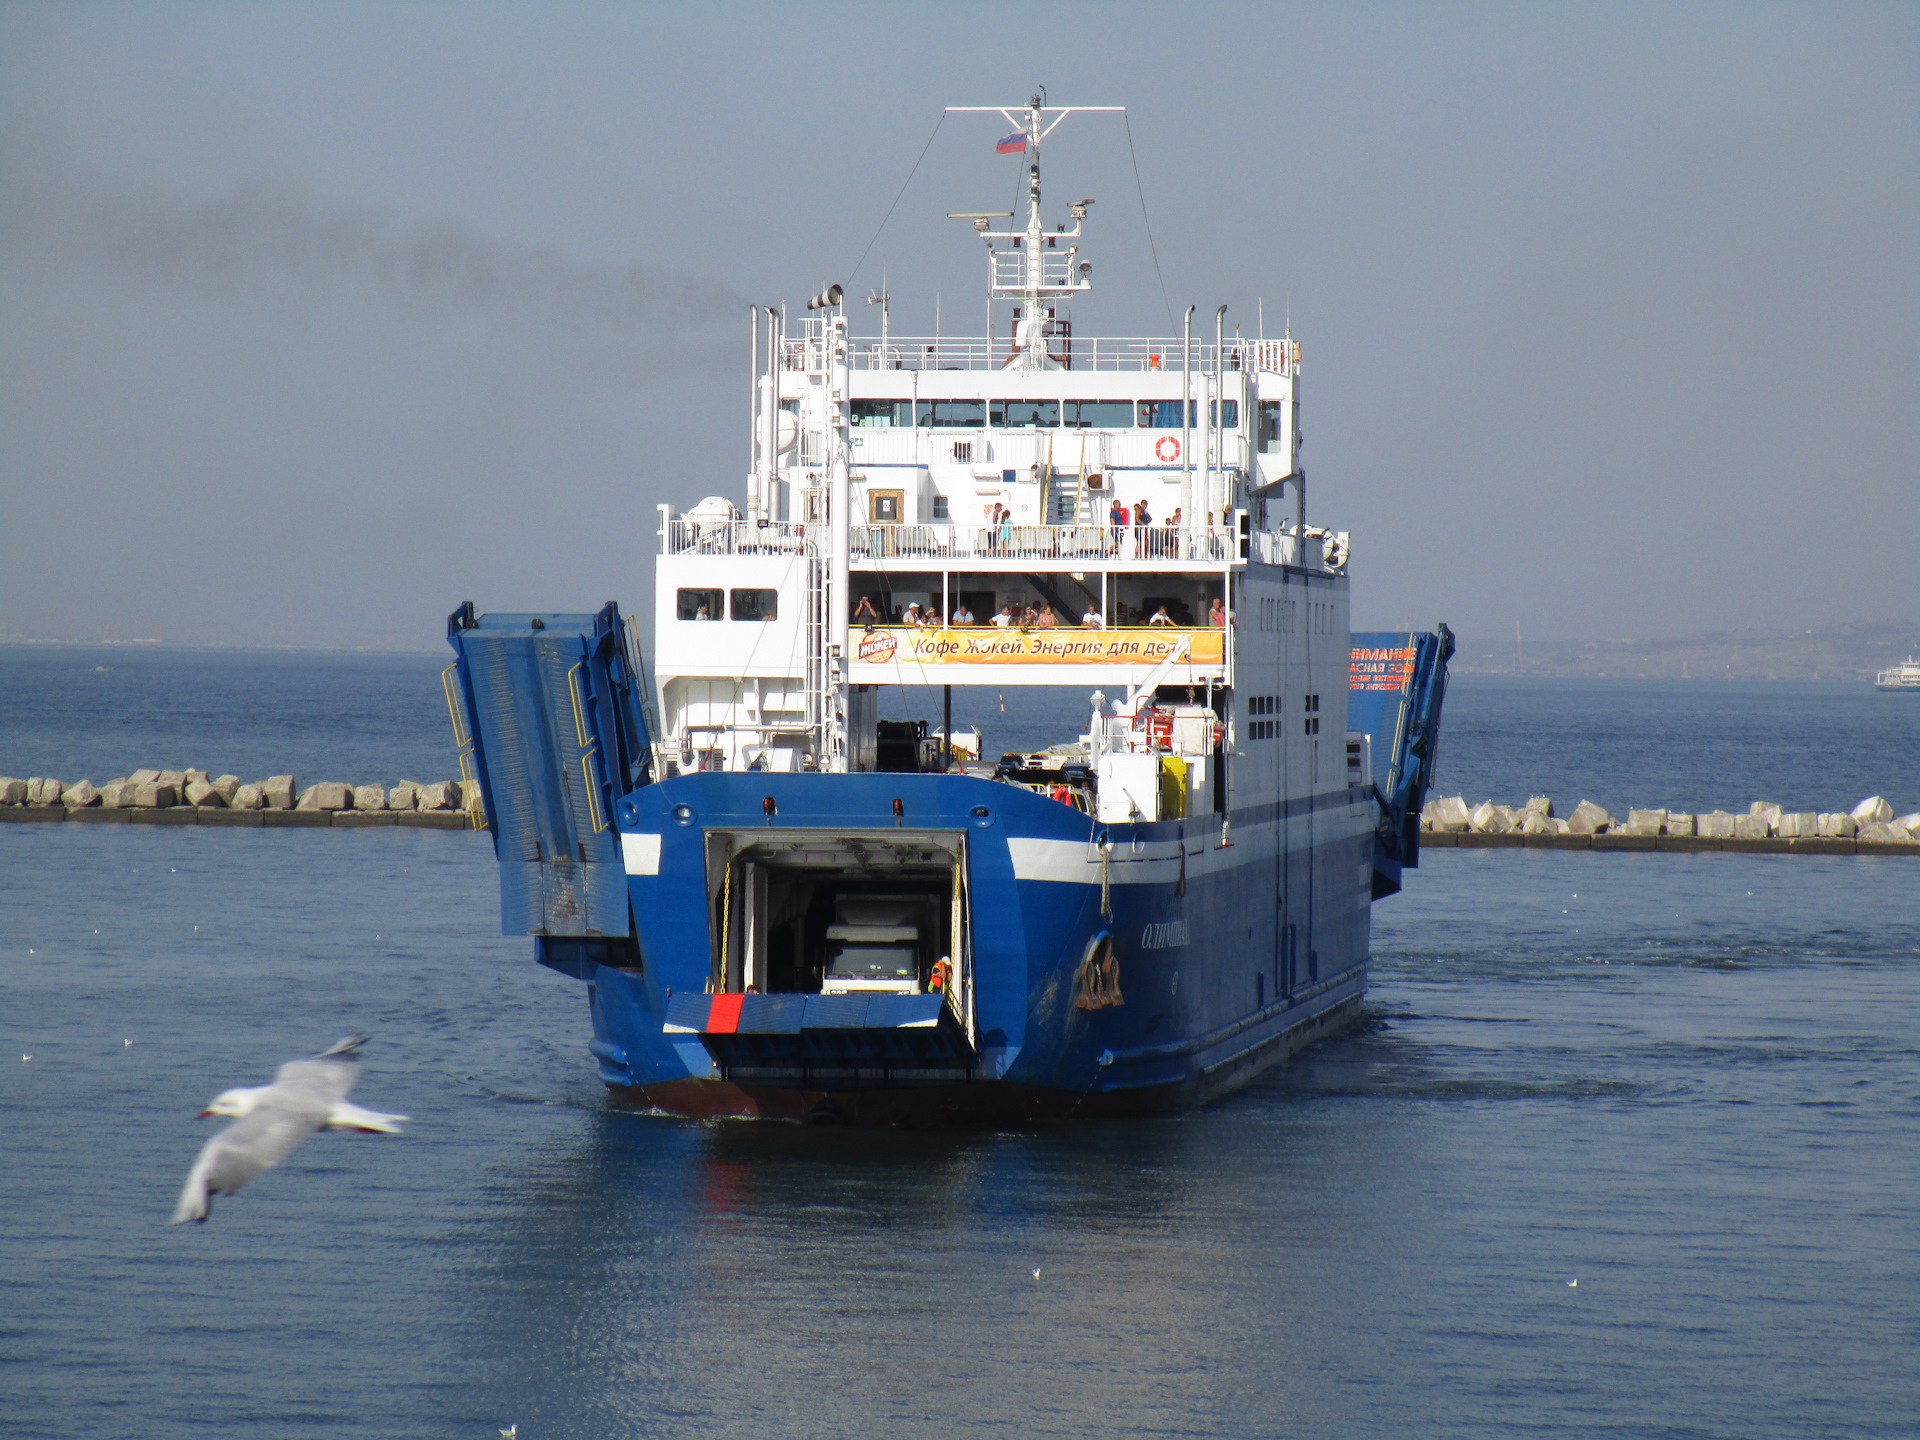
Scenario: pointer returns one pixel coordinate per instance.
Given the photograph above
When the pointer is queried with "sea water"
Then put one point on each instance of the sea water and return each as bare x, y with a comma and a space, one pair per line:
1628, 1144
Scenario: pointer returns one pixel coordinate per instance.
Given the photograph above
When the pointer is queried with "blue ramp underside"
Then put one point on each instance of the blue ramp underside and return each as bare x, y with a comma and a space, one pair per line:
1398, 681
553, 712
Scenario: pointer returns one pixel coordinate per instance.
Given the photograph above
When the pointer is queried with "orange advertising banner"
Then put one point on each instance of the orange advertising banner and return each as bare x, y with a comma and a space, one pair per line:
989, 645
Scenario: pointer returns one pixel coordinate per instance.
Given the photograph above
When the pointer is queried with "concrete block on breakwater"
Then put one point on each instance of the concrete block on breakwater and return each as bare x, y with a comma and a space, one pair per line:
1765, 828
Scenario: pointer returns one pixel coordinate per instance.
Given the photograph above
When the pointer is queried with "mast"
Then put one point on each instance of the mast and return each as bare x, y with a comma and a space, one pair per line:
1033, 267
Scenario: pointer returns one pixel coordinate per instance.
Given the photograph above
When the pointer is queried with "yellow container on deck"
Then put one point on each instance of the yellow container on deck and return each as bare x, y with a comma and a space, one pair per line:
1173, 788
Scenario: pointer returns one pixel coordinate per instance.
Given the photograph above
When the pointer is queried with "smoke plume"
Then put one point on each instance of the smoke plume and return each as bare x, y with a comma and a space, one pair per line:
263, 241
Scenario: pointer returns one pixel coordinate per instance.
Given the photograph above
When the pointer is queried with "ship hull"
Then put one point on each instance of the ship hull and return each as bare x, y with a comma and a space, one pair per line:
1109, 968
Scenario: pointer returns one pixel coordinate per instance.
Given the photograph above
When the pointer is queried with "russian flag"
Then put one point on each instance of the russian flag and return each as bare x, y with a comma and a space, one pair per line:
1014, 144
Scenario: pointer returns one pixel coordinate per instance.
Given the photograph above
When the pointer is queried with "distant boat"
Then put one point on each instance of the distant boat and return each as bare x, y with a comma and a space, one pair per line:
1904, 676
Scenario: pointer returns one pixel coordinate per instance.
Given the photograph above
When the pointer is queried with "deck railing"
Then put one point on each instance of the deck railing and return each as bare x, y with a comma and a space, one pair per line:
1122, 352
735, 537
1199, 543
1182, 545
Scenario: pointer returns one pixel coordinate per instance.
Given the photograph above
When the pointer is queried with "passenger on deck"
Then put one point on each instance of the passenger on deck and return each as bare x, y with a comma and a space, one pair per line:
1005, 617
1046, 619
961, 615
1217, 615
1092, 619
865, 611
930, 618
912, 616
1160, 617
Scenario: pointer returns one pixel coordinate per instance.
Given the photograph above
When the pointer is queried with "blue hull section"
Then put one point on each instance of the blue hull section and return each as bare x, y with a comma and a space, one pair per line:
1224, 957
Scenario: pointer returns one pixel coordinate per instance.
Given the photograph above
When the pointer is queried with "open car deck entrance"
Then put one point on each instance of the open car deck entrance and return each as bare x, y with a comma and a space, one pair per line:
840, 958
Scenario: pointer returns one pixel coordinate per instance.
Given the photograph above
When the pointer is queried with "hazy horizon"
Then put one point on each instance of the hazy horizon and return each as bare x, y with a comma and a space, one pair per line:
317, 321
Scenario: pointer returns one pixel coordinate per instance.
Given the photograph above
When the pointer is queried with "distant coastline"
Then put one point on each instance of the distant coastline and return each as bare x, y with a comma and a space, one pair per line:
1843, 653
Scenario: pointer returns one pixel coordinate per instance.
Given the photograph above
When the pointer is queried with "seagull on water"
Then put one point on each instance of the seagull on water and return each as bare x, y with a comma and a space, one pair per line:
270, 1121
511, 1431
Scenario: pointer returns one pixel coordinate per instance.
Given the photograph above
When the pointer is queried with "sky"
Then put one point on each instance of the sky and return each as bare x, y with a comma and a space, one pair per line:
318, 319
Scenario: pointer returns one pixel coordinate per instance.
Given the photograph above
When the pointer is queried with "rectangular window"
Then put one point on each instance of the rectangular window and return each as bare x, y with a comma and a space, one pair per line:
1230, 408
1269, 436
701, 605
755, 604
881, 412
1026, 414
1164, 414
940, 514
1101, 414
951, 414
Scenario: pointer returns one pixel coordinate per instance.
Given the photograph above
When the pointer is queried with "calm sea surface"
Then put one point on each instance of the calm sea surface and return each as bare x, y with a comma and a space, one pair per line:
1689, 1082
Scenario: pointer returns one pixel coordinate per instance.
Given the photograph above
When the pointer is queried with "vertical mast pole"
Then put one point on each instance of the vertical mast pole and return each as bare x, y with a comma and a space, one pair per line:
770, 420
839, 604
1187, 516
1216, 434
756, 463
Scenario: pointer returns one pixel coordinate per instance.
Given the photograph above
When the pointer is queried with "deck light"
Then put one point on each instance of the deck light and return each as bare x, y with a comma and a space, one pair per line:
767, 806
899, 812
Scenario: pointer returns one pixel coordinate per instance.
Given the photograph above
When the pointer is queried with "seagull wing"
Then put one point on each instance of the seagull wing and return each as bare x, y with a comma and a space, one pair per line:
329, 1076
244, 1150
343, 1116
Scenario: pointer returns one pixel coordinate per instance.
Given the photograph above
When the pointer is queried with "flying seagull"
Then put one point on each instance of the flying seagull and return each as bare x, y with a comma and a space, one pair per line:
272, 1120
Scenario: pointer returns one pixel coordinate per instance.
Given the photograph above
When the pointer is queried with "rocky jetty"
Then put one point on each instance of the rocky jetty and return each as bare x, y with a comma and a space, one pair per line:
194, 797
1869, 826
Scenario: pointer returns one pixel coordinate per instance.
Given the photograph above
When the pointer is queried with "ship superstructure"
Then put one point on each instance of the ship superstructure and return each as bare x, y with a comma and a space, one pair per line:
830, 913
1904, 676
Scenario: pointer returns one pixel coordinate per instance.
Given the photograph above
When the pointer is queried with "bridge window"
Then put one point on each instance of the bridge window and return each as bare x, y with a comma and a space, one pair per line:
1225, 414
1102, 414
701, 605
882, 412
755, 604
952, 414
1268, 438
1027, 414
1165, 414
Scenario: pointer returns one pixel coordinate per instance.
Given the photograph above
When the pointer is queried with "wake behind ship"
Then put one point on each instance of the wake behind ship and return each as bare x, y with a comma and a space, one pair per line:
785, 906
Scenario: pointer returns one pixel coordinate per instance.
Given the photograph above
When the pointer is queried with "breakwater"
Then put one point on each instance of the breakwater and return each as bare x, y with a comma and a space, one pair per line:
1870, 827
192, 797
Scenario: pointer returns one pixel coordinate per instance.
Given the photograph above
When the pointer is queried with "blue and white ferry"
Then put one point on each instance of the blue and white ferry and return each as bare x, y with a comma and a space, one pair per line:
783, 905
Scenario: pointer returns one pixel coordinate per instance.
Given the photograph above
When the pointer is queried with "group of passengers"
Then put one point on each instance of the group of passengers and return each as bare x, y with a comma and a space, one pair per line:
1138, 518
916, 615
1017, 616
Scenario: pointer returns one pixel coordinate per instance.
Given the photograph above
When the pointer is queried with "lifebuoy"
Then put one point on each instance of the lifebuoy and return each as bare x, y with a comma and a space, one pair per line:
1166, 449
